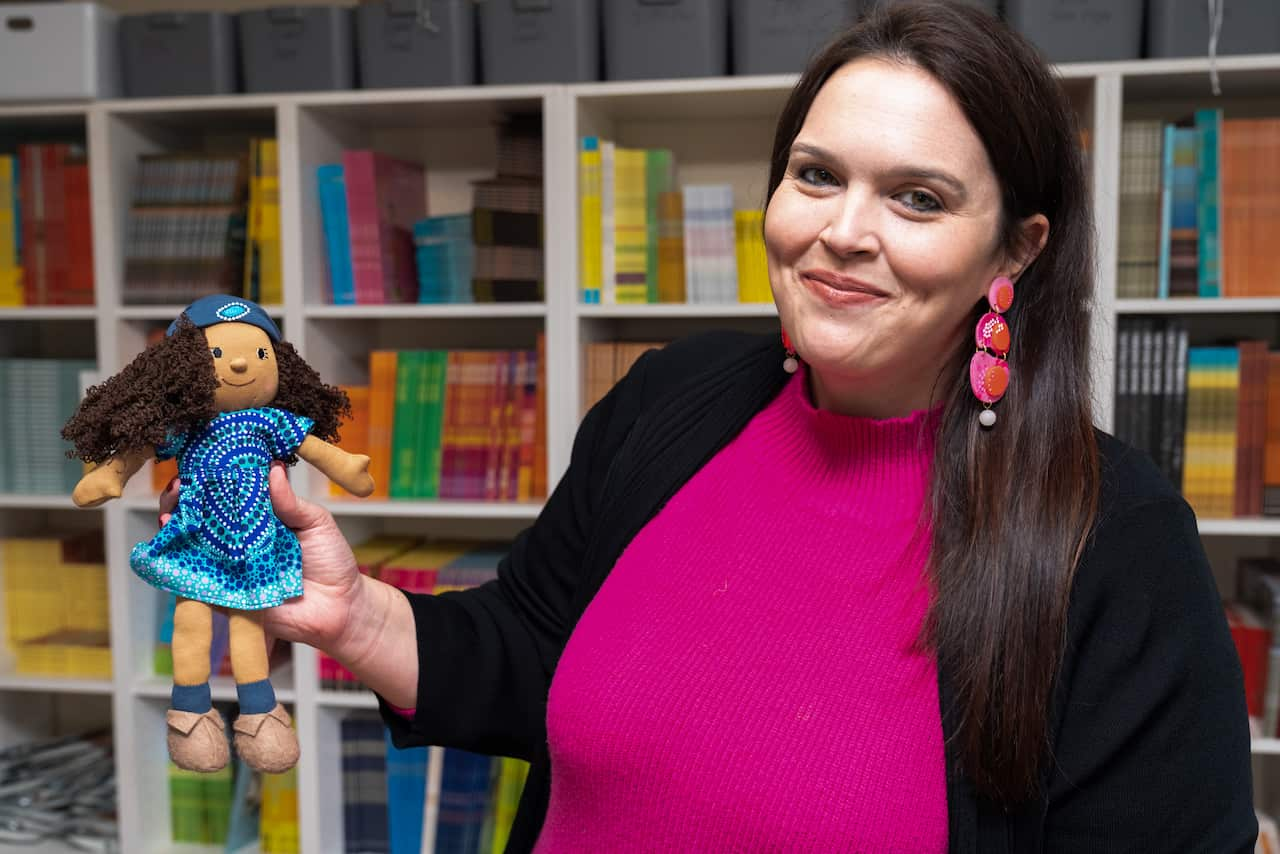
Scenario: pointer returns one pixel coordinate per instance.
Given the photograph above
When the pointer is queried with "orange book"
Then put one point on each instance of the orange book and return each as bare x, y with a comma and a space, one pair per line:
382, 413
353, 433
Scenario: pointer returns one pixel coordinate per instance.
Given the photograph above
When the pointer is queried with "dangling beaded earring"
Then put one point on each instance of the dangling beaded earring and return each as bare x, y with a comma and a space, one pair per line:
988, 371
790, 364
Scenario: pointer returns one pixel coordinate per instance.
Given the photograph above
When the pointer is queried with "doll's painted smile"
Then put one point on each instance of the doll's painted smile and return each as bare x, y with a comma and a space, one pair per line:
238, 385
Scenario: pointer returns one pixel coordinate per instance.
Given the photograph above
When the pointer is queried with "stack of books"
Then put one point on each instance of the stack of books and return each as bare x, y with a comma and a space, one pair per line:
452, 424
263, 273
369, 204
445, 257
46, 234
1197, 213
1208, 416
200, 805
385, 791
507, 219
39, 395
56, 605
606, 362
643, 238
185, 235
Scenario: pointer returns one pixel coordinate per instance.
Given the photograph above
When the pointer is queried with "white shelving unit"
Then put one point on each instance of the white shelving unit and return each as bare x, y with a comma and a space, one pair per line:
719, 130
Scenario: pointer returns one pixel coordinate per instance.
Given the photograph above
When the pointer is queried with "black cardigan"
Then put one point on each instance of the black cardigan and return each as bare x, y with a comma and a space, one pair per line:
1148, 725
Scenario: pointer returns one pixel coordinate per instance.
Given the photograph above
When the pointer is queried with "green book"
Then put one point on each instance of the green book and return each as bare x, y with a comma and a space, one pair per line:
425, 394
433, 420
1209, 203
658, 180
405, 430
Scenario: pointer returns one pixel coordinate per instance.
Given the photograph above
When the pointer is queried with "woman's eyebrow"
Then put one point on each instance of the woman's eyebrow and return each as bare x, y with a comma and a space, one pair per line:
920, 173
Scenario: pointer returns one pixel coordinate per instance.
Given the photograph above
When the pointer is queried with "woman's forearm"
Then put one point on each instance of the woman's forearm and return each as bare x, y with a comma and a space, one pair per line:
380, 645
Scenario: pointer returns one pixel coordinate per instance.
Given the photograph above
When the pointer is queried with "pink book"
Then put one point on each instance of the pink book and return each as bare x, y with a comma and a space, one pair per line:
385, 197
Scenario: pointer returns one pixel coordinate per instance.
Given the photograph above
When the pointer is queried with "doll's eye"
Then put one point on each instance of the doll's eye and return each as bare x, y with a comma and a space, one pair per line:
262, 352
217, 352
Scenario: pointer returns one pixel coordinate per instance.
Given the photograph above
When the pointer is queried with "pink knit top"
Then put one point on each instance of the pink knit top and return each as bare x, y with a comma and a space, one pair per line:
747, 677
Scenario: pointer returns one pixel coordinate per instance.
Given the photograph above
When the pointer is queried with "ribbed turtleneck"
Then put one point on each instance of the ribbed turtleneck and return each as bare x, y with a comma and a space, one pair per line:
747, 677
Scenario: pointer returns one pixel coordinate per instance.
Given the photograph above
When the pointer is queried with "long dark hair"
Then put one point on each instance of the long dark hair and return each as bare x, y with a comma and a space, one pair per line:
168, 388
1011, 508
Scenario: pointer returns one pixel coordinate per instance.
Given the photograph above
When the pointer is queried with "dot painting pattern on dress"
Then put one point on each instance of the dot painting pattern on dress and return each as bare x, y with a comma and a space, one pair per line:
223, 544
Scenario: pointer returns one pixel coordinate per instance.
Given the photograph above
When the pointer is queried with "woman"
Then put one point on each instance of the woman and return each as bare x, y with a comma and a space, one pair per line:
831, 609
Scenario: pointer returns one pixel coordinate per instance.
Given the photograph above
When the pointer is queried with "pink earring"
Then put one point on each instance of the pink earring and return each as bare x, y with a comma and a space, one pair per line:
790, 364
988, 371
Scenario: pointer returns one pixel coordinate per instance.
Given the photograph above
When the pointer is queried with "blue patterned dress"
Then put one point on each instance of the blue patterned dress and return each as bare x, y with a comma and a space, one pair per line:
223, 544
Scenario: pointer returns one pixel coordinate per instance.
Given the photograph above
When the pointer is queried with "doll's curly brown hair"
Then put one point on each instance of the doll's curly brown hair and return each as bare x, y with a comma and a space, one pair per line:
169, 388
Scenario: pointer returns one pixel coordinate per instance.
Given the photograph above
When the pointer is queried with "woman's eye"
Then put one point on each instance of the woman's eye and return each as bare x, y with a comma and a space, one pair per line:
920, 201
817, 176
217, 352
262, 352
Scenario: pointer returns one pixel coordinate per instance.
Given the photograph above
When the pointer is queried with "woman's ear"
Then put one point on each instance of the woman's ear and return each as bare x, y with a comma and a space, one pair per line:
1033, 234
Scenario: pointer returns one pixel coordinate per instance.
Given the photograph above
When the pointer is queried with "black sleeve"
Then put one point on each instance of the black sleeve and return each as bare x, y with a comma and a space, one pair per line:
1152, 753
486, 655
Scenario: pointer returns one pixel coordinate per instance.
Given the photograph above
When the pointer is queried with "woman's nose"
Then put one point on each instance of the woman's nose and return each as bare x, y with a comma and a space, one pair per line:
239, 364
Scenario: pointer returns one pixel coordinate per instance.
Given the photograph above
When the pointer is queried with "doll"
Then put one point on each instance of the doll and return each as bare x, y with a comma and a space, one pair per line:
224, 395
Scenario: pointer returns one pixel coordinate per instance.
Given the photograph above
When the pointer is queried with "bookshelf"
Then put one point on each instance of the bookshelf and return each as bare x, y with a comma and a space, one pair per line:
719, 130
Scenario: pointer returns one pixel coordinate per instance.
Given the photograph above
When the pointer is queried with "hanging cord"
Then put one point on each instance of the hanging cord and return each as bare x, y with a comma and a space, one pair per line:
1215, 29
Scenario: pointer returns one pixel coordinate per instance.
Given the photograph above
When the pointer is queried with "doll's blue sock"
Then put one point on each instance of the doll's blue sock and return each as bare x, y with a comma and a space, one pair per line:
256, 698
191, 698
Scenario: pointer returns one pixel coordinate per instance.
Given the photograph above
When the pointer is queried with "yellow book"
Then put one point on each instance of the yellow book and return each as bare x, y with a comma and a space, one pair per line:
10, 263
631, 232
671, 247
590, 238
278, 821
270, 273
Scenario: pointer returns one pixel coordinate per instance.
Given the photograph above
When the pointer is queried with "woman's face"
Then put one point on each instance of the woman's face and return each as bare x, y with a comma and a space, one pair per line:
882, 237
245, 364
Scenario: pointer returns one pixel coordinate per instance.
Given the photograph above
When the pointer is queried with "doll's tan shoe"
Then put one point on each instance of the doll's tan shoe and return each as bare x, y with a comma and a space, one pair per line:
266, 741
197, 742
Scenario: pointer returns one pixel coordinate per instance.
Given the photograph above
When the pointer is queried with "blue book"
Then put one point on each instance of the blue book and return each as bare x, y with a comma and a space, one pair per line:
1209, 202
1183, 221
337, 233
445, 255
406, 796
466, 785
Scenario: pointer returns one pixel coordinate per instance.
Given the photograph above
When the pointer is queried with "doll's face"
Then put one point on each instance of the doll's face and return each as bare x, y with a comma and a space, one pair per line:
245, 364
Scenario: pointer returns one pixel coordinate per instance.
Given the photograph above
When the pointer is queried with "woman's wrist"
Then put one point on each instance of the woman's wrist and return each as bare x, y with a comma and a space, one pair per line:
379, 644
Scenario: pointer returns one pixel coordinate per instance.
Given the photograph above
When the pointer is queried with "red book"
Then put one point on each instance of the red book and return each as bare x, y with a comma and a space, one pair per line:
1253, 644
385, 197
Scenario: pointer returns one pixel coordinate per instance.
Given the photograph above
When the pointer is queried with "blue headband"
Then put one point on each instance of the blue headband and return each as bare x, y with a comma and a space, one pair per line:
220, 308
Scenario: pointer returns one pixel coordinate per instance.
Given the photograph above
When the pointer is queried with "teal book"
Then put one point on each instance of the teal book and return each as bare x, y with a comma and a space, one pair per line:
1209, 202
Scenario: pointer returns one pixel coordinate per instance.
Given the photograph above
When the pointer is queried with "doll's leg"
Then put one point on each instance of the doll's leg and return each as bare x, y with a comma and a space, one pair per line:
264, 733
197, 736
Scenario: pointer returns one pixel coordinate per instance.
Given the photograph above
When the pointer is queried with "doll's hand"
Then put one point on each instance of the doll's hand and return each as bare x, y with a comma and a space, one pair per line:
352, 474
98, 487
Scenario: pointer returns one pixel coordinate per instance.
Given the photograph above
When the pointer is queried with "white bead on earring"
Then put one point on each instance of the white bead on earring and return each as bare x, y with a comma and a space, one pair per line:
790, 364
987, 418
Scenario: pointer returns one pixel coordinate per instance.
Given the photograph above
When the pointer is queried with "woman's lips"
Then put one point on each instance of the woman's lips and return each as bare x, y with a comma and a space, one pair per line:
840, 290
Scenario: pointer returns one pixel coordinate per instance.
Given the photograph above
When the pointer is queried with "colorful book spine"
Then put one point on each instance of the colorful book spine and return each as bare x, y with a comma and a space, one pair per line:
1166, 209
1209, 202
337, 238
590, 239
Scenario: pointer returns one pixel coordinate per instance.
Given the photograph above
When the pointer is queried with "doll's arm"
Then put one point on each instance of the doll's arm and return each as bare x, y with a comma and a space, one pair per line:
108, 479
350, 471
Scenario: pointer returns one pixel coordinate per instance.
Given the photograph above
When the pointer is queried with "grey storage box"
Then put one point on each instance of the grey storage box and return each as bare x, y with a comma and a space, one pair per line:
297, 49
1181, 27
990, 6
540, 41
399, 48
779, 36
57, 51
1079, 30
656, 39
192, 53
